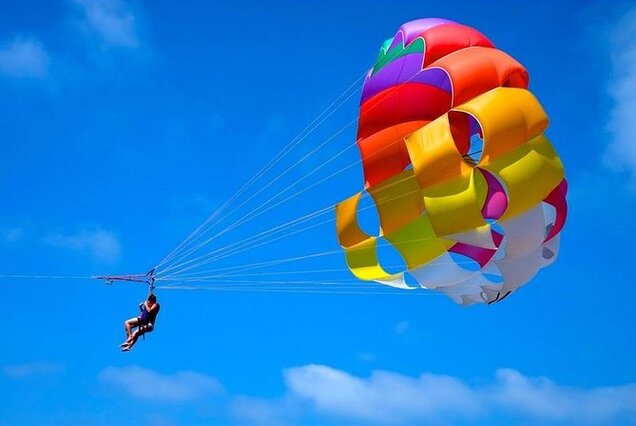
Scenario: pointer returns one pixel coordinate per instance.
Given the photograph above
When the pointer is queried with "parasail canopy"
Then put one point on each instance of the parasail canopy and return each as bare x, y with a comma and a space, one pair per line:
467, 187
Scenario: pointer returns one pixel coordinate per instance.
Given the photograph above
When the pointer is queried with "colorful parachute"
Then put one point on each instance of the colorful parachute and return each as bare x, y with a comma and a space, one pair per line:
467, 187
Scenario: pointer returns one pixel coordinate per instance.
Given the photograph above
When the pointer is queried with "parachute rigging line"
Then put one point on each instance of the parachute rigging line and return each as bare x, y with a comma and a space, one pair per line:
277, 158
47, 277
301, 291
150, 278
209, 257
264, 207
241, 221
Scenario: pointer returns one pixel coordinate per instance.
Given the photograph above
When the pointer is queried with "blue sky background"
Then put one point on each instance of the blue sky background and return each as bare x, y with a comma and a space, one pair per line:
124, 124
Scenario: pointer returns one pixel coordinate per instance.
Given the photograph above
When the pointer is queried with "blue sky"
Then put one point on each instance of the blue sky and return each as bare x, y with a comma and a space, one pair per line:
124, 124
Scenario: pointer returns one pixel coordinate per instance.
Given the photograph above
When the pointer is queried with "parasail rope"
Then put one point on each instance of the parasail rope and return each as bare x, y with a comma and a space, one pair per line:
277, 158
293, 222
307, 291
246, 217
264, 234
272, 162
255, 213
264, 208
247, 247
209, 257
316, 213
257, 265
206, 257
241, 246
307, 271
329, 282
53, 277
241, 268
294, 284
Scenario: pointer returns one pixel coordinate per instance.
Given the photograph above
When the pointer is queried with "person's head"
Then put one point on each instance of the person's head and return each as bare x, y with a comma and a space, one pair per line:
152, 298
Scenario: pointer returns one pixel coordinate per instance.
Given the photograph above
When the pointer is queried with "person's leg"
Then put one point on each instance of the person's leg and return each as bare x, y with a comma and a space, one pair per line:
143, 329
135, 336
129, 325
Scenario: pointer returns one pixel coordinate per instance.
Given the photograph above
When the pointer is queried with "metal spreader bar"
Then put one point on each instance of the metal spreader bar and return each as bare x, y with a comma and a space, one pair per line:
147, 278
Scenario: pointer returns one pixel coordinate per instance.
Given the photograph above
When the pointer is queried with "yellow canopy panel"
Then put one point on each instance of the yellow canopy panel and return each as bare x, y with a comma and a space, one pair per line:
347, 229
455, 205
363, 261
508, 118
433, 153
398, 201
417, 242
529, 173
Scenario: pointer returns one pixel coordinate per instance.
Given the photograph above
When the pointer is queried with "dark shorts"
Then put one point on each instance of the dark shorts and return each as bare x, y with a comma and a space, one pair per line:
146, 327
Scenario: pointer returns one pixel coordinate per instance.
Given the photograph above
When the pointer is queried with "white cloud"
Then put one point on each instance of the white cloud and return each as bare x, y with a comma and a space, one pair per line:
621, 152
147, 384
387, 397
542, 398
112, 22
24, 58
23, 371
320, 392
101, 244
383, 397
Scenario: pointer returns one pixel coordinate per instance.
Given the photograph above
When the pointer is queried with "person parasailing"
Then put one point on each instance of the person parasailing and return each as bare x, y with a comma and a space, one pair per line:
140, 325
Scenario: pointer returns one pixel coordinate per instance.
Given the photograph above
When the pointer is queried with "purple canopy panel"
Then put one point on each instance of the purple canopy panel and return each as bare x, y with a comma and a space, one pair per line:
411, 30
406, 69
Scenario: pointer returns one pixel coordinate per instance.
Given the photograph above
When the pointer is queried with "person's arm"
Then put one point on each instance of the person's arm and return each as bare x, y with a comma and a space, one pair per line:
154, 308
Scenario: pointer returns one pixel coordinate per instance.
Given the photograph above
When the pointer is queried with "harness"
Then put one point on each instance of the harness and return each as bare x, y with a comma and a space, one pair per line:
148, 278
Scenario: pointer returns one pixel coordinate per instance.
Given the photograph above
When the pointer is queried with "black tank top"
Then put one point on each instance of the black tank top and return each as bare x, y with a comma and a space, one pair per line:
152, 314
